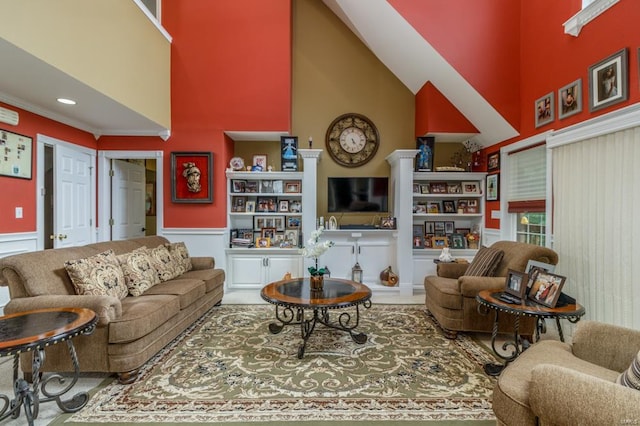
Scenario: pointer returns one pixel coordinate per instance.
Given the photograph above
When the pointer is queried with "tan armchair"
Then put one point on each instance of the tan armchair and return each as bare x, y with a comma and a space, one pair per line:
451, 296
555, 383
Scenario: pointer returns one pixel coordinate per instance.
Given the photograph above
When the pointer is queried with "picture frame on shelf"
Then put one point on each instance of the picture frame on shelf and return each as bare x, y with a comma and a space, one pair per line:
448, 206
278, 187
462, 206
428, 241
458, 241
515, 283
472, 207
439, 242
267, 205
438, 228
289, 153
493, 161
449, 227
463, 231
424, 189
268, 233
418, 241
283, 206
471, 188
438, 187
239, 204
420, 208
433, 207
263, 242
259, 163
238, 186
266, 186
429, 227
293, 222
388, 222
454, 188
609, 81
493, 187
416, 188
418, 229
544, 110
570, 99
295, 206
546, 288
276, 222
292, 187
16, 159
251, 186
424, 159
250, 206
291, 235
192, 177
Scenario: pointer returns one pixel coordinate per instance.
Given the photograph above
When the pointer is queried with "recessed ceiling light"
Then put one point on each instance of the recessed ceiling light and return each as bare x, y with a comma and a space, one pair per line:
66, 101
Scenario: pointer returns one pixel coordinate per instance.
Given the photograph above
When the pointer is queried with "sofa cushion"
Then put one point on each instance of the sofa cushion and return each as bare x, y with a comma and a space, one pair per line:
213, 278
631, 377
98, 275
139, 272
485, 262
187, 290
163, 263
180, 256
141, 316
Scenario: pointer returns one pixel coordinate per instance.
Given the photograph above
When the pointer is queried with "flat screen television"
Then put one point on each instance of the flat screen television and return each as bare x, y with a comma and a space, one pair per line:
358, 194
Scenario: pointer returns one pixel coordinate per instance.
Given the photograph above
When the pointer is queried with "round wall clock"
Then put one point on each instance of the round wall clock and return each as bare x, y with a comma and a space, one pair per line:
352, 140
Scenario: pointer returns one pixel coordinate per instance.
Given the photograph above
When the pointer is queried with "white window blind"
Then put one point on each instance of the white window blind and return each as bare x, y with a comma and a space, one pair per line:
527, 175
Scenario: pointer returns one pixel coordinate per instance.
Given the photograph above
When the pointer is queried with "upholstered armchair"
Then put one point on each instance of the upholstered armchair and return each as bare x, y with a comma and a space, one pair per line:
451, 295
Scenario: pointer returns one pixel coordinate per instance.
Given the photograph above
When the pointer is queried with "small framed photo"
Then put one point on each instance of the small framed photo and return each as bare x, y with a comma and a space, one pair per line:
291, 235
534, 267
416, 188
544, 110
454, 188
267, 205
289, 153
472, 207
295, 206
493, 189
470, 188
449, 206
277, 187
259, 163
546, 288
250, 206
493, 161
433, 207
238, 185
439, 242
293, 222
266, 186
458, 241
268, 233
418, 241
608, 81
438, 228
428, 240
429, 227
292, 187
239, 204
388, 222
283, 206
438, 187
263, 242
420, 208
418, 229
424, 160
516, 283
424, 188
449, 227
570, 99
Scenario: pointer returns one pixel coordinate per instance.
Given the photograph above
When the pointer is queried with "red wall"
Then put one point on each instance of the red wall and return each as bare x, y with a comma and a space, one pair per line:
22, 192
435, 114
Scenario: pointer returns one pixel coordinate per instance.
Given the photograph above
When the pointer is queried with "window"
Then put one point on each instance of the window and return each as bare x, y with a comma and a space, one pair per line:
531, 228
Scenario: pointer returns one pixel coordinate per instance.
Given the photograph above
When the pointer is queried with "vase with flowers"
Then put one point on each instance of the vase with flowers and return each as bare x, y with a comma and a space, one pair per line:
314, 248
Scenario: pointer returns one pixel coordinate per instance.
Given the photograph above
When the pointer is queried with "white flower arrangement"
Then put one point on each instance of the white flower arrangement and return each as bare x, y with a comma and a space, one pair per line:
314, 249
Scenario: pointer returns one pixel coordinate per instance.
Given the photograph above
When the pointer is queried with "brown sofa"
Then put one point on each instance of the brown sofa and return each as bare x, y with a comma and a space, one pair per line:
451, 296
129, 331
555, 383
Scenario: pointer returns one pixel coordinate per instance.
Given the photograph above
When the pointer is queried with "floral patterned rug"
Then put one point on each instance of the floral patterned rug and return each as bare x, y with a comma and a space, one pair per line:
228, 367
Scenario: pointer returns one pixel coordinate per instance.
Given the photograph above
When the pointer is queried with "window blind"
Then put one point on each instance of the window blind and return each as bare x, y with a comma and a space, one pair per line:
528, 179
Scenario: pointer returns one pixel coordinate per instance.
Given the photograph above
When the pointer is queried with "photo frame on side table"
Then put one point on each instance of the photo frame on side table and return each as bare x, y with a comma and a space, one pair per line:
546, 288
570, 99
192, 177
609, 81
516, 283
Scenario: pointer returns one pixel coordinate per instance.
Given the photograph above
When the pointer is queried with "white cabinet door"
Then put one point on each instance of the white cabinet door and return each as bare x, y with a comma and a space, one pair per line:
280, 265
339, 259
374, 256
247, 271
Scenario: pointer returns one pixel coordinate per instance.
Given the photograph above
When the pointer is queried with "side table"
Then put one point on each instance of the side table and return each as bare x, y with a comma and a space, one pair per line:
490, 299
33, 331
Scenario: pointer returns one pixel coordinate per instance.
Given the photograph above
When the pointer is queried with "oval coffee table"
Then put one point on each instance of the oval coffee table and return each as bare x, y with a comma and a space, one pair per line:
292, 297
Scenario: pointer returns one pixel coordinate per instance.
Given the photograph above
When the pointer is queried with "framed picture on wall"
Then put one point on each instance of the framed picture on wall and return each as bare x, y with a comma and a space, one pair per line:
570, 99
544, 110
15, 155
608, 81
493, 188
192, 177
493, 161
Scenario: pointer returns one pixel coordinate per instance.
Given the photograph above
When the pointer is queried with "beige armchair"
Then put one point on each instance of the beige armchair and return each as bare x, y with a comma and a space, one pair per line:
555, 383
451, 296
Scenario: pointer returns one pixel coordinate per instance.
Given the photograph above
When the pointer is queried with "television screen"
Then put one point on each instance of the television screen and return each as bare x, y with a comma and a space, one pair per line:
358, 194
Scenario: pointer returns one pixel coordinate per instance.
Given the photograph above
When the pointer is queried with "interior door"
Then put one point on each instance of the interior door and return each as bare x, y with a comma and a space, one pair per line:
72, 195
127, 200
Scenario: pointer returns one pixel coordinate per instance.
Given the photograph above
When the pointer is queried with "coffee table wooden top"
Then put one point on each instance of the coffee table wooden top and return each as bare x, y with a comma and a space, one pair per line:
336, 293
25, 331
528, 307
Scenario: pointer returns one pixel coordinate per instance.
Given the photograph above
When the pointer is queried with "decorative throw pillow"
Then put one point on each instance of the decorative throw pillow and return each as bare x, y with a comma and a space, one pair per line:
485, 262
180, 255
98, 275
139, 273
163, 263
631, 377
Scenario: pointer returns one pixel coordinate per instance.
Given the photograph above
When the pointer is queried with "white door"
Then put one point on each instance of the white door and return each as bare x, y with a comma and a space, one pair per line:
127, 200
72, 194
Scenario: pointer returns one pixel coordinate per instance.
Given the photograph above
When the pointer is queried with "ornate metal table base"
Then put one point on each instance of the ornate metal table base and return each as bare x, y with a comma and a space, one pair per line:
345, 322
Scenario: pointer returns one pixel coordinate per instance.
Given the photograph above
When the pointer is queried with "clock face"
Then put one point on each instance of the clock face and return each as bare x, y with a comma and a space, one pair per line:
352, 140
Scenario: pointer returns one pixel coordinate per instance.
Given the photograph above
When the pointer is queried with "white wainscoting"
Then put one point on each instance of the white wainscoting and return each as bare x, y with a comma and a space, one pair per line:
201, 242
490, 236
11, 244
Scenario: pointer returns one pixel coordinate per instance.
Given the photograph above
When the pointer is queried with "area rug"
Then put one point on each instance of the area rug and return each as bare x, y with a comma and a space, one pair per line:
228, 368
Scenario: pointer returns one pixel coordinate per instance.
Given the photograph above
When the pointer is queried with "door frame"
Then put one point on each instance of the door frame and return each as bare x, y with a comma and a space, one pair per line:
43, 140
104, 187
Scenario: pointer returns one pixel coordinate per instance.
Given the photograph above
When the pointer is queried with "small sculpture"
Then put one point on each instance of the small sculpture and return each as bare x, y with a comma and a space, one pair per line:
192, 173
445, 256
388, 277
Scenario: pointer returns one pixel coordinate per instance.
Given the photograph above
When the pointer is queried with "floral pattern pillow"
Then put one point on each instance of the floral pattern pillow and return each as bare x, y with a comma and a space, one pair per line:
139, 272
180, 256
98, 275
164, 263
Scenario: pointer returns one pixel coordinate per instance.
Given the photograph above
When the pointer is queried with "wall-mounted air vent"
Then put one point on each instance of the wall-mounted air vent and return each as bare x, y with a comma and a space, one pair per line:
8, 116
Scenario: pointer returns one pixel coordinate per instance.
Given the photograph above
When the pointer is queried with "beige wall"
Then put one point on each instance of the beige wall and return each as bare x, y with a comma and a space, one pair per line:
130, 59
334, 73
